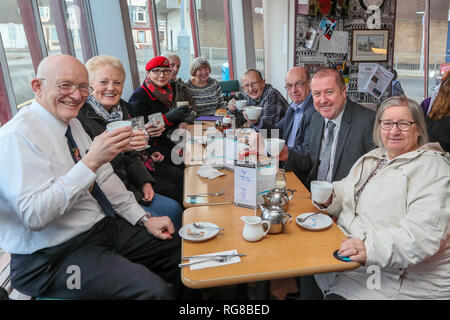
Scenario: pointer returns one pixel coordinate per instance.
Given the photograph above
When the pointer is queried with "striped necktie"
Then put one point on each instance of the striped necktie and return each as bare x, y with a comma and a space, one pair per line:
95, 190
325, 155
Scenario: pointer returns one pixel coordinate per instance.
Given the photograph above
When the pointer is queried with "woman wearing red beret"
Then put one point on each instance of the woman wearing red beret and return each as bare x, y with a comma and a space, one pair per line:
155, 95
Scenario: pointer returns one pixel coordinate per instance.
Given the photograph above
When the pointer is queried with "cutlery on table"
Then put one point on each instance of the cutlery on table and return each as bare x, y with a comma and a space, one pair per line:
214, 256
205, 194
303, 219
200, 226
219, 259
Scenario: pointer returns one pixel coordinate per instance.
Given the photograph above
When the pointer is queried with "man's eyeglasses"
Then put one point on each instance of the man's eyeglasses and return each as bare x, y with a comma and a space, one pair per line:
158, 71
251, 84
401, 125
298, 85
69, 88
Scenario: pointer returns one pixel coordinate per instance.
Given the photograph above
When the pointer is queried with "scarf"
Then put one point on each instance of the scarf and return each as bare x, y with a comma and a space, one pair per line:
115, 114
162, 94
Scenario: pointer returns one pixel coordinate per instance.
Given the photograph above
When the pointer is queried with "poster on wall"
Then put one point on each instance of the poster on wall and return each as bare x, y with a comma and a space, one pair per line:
373, 79
326, 27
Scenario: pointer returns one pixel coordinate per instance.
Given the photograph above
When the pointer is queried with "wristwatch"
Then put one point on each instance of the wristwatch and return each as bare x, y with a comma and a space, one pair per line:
144, 219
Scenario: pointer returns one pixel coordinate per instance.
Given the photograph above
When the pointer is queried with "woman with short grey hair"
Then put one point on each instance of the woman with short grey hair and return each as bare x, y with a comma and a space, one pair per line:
416, 114
204, 90
394, 209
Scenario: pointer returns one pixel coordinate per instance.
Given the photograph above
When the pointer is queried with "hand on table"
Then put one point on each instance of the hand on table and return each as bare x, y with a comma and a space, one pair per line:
160, 227
355, 249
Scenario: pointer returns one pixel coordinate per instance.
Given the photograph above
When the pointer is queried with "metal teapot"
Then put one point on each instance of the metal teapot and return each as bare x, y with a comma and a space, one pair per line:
278, 197
277, 217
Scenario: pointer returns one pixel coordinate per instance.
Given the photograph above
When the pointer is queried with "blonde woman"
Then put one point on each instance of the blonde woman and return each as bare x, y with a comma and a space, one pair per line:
104, 105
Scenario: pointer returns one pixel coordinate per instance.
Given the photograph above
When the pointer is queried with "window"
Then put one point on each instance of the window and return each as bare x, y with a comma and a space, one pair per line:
74, 25
174, 30
141, 36
44, 13
409, 47
140, 27
213, 41
140, 15
50, 34
258, 33
17, 54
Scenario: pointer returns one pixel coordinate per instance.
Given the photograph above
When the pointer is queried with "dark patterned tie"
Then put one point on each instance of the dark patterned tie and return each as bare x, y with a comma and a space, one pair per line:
95, 190
325, 155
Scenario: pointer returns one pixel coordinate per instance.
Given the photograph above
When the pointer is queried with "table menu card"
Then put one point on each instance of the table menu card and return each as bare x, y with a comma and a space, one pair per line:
252, 180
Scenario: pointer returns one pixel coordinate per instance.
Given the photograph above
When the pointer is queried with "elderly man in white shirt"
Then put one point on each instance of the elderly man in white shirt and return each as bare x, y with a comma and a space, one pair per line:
62, 241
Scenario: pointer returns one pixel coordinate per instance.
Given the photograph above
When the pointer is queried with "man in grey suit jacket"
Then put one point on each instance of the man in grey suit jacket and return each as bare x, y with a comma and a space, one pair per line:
334, 147
294, 127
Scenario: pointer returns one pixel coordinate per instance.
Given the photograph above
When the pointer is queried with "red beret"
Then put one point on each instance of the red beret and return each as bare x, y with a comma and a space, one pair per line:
157, 62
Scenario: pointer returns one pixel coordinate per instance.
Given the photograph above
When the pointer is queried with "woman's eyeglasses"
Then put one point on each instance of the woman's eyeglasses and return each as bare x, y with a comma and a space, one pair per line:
401, 125
158, 71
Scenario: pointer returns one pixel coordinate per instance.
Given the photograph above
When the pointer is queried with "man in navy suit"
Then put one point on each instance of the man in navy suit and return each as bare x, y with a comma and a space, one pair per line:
294, 127
340, 132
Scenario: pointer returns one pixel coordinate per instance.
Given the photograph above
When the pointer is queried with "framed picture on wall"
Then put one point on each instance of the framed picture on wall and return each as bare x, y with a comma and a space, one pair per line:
369, 45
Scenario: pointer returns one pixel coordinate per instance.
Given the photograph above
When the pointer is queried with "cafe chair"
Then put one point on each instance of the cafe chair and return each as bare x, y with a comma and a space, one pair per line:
230, 89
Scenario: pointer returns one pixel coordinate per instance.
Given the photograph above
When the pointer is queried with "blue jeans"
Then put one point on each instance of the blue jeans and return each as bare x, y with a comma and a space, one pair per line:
164, 206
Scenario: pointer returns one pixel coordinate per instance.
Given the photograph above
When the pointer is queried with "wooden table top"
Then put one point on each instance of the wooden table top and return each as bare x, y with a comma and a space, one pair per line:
295, 252
194, 184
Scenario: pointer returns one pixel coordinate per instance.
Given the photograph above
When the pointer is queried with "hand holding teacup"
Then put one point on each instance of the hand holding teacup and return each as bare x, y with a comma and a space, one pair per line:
139, 137
154, 130
252, 113
108, 145
321, 193
232, 105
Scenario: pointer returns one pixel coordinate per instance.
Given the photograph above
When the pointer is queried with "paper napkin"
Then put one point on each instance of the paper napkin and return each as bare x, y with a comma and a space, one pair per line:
212, 263
207, 171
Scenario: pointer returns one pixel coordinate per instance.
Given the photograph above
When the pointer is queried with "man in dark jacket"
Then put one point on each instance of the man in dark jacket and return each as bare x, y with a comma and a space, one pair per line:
294, 127
340, 132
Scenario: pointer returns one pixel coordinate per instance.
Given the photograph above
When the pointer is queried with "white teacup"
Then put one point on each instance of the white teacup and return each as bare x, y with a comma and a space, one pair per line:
253, 112
118, 124
321, 191
274, 146
241, 104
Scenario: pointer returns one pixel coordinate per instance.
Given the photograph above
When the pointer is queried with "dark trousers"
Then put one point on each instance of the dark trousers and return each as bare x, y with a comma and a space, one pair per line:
112, 260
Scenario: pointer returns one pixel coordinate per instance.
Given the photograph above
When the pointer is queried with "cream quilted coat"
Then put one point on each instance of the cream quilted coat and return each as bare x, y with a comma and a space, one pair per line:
403, 214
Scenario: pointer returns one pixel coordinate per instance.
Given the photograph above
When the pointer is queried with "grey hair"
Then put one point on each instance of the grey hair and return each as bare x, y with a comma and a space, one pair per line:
258, 73
198, 63
416, 114
169, 55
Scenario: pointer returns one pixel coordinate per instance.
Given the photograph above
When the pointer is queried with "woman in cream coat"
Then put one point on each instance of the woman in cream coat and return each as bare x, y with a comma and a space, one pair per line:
394, 206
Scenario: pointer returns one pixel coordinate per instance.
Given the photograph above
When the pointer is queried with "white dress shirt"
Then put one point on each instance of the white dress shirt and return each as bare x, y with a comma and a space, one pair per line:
337, 122
44, 195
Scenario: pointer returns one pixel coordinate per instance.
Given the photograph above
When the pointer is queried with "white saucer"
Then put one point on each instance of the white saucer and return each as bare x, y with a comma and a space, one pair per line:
317, 222
189, 232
